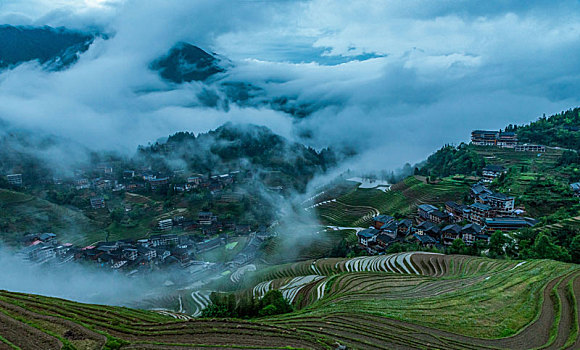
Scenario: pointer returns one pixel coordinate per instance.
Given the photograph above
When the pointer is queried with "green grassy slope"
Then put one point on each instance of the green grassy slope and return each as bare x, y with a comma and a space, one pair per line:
356, 207
21, 213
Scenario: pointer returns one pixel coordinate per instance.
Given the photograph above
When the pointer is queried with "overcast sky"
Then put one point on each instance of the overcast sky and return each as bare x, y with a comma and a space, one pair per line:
395, 79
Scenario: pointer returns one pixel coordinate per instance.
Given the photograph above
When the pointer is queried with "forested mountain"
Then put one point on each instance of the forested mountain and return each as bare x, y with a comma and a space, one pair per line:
451, 160
185, 63
560, 130
239, 147
56, 47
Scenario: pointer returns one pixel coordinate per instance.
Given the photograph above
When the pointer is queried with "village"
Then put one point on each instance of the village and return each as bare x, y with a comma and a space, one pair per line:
438, 226
177, 239
174, 241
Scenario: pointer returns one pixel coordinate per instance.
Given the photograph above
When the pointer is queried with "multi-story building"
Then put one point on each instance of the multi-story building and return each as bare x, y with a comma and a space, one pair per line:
163, 240
505, 139
14, 179
484, 137
491, 172
479, 212
503, 205
425, 210
470, 232
166, 224
381, 220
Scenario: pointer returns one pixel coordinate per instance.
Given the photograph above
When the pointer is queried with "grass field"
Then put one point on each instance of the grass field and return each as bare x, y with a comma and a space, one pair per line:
400, 301
358, 206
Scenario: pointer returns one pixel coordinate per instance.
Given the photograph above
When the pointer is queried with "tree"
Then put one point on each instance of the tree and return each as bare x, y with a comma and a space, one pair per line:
273, 303
575, 249
497, 244
544, 248
457, 247
117, 215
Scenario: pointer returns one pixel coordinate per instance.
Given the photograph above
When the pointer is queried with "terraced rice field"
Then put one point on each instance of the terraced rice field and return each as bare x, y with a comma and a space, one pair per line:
358, 206
400, 301
509, 157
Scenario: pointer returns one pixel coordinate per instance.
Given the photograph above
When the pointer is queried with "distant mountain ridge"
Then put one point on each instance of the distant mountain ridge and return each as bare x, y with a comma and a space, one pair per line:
57, 48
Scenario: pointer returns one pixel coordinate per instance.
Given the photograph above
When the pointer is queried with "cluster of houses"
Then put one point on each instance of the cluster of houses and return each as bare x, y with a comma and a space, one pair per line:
127, 255
206, 222
504, 139
490, 212
137, 256
102, 179
215, 183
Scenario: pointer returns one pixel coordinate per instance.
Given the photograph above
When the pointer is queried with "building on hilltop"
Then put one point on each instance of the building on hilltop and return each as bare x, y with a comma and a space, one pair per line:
506, 139
530, 148
484, 137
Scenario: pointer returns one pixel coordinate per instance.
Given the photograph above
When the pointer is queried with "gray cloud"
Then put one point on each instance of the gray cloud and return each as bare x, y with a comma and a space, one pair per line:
446, 68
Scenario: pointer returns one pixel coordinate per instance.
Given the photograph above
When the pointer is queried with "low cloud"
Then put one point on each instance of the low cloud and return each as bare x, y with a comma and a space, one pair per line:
438, 71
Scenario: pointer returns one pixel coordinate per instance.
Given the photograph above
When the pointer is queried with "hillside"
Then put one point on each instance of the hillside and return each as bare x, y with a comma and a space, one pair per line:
356, 207
186, 63
274, 159
22, 213
559, 130
403, 301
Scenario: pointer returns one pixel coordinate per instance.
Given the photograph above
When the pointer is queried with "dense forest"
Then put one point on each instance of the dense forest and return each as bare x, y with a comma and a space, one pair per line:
558, 130
451, 160
240, 147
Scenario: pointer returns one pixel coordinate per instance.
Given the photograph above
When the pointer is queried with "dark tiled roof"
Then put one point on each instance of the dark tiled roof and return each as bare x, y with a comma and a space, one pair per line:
427, 207
471, 228
368, 233
481, 206
383, 218
452, 228
439, 214
425, 238
392, 226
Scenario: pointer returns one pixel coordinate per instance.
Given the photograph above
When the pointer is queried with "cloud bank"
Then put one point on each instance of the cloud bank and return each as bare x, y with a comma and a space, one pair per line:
393, 80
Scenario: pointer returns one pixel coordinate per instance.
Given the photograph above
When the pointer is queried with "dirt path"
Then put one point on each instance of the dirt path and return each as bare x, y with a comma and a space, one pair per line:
566, 314
576, 344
